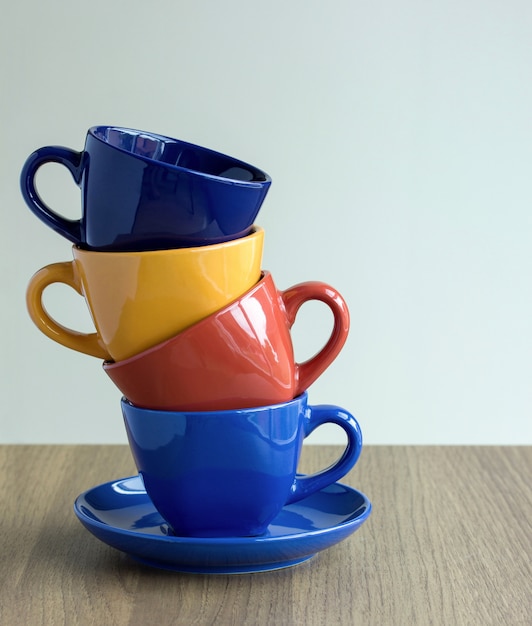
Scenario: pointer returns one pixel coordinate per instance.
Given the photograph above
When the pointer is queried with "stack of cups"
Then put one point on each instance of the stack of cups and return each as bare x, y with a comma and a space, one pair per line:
191, 329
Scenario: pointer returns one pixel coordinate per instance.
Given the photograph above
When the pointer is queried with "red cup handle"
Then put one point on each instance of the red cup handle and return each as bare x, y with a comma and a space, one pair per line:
293, 298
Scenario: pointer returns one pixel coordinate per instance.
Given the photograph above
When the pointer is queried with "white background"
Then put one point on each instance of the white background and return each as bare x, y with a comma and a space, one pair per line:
398, 136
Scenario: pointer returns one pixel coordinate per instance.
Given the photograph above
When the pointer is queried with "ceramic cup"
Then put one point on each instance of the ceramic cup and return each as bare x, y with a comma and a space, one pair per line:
139, 299
143, 191
229, 473
240, 356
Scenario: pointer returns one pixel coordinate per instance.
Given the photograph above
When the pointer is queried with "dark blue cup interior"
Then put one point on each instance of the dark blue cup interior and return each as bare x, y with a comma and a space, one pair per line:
178, 153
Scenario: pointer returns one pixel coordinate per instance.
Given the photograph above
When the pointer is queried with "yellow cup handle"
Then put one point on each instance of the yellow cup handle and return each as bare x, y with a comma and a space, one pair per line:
88, 343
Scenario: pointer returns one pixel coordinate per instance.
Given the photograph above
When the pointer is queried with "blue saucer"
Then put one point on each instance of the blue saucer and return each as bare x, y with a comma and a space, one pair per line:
120, 514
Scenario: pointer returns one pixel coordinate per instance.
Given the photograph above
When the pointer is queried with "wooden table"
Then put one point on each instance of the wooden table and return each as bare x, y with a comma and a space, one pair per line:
448, 542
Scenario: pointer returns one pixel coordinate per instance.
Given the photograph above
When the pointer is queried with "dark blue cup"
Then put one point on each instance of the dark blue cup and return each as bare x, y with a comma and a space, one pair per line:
229, 473
143, 191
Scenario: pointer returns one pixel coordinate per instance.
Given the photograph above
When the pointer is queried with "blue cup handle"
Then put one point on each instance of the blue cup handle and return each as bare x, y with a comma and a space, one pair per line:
317, 415
73, 161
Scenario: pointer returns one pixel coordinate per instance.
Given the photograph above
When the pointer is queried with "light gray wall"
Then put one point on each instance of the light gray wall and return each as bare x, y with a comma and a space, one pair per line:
398, 136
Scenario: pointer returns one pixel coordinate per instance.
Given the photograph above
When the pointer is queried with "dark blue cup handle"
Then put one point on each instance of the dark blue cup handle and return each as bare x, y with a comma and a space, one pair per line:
73, 161
317, 415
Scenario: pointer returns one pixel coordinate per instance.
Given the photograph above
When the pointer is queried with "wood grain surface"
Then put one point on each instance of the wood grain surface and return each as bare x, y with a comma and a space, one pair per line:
449, 542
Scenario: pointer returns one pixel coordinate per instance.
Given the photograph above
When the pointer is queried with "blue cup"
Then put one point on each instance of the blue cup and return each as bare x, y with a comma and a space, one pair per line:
229, 473
143, 191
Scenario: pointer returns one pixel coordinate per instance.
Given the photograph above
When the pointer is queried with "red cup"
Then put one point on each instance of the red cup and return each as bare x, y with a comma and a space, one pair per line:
242, 356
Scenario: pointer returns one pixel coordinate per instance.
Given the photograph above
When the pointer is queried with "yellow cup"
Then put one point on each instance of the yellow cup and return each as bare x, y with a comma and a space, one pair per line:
138, 299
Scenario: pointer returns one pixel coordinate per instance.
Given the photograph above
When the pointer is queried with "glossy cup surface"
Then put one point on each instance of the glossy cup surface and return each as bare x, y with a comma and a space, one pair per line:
238, 357
229, 473
144, 191
139, 299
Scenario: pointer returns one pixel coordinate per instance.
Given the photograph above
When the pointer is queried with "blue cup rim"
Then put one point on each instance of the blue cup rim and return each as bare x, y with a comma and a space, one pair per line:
301, 398
262, 178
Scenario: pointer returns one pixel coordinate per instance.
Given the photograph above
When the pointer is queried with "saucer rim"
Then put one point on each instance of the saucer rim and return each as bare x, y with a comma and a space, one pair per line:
234, 555
367, 506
